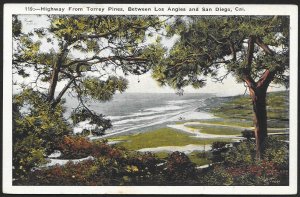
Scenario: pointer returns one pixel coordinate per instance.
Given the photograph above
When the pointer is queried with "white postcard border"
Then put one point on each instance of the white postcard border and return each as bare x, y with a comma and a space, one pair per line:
10, 9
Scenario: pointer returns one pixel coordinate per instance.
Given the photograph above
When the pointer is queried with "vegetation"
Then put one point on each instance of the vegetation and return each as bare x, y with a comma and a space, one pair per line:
37, 131
215, 130
197, 157
244, 46
115, 166
241, 168
85, 55
112, 47
160, 137
239, 108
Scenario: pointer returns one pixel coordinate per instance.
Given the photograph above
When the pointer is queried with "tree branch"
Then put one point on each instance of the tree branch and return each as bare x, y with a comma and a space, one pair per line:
221, 41
250, 51
266, 79
265, 47
232, 49
104, 59
62, 92
246, 71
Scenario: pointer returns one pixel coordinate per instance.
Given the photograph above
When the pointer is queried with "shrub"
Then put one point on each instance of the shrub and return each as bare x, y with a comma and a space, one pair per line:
125, 169
242, 153
248, 134
143, 169
217, 176
241, 168
218, 145
277, 151
76, 147
116, 166
218, 149
87, 172
260, 173
180, 169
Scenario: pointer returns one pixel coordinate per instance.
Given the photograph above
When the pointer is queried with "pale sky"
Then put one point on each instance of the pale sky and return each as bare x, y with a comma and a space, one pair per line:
146, 84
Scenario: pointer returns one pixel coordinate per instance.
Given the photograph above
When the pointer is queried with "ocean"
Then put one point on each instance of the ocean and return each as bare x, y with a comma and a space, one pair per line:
139, 112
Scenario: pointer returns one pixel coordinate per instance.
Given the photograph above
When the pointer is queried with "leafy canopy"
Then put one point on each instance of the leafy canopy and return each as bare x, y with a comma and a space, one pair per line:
207, 44
89, 55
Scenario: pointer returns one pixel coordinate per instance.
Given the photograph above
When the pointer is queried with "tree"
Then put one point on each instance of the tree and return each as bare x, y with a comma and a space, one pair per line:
90, 57
87, 55
254, 49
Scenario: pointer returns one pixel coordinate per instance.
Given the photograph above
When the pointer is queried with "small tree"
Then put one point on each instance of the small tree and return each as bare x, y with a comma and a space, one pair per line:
254, 49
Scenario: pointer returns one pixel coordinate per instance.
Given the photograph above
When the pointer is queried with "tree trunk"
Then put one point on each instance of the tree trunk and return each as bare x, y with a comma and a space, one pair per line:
260, 119
53, 82
55, 73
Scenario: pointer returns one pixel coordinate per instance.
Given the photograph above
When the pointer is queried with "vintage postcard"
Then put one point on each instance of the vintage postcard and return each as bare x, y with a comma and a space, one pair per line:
150, 99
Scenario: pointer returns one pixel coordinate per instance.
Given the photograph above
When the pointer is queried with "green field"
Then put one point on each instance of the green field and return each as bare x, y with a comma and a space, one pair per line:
216, 130
160, 137
238, 110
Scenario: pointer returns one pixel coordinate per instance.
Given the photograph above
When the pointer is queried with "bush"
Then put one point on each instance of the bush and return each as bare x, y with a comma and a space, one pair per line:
180, 170
248, 134
218, 149
241, 168
242, 153
125, 169
217, 176
116, 166
277, 151
218, 145
76, 147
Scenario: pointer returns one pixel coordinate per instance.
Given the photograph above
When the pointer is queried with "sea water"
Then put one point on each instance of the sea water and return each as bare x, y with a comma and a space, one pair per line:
137, 112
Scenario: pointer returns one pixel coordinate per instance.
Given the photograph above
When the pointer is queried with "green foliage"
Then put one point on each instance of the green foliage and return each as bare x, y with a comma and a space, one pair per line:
277, 151
207, 43
240, 108
218, 149
239, 166
37, 130
83, 113
89, 53
217, 177
241, 154
103, 90
16, 26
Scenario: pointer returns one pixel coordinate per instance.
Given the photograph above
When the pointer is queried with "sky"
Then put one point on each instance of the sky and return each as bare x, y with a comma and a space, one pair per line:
144, 83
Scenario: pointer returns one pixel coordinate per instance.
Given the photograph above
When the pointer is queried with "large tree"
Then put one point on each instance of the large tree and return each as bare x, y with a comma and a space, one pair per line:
254, 49
86, 56
89, 55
